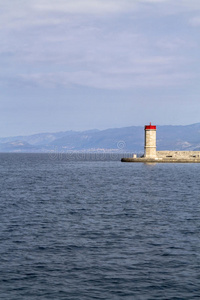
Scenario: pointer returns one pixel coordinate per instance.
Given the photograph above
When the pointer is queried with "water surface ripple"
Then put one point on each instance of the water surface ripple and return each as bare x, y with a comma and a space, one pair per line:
78, 229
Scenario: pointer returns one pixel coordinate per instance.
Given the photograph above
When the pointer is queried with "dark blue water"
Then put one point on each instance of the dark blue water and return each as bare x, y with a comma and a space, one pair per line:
80, 229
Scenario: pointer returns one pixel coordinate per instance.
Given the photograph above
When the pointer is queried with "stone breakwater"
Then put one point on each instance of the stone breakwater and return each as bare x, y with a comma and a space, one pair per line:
161, 160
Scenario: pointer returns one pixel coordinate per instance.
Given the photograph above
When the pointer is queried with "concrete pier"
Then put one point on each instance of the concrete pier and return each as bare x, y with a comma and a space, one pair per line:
162, 160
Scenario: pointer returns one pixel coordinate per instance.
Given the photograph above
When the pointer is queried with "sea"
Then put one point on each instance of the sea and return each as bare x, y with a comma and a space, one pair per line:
82, 226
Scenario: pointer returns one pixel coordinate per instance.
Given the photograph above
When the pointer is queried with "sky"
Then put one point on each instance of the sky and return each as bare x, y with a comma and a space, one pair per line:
98, 64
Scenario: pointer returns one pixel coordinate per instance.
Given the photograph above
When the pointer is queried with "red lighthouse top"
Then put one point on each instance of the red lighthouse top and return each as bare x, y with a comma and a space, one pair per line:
150, 127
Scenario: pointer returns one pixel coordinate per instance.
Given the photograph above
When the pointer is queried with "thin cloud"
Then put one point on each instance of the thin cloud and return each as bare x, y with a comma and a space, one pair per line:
145, 77
195, 21
57, 36
85, 6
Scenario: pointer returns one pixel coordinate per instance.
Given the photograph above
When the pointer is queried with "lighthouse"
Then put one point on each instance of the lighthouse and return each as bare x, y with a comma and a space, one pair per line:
150, 141
153, 156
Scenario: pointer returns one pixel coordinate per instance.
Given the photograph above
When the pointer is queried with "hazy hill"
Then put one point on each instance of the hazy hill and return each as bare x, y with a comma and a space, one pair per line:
127, 139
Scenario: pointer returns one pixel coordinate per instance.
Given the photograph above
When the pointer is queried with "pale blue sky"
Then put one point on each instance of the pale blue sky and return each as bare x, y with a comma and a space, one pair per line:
84, 64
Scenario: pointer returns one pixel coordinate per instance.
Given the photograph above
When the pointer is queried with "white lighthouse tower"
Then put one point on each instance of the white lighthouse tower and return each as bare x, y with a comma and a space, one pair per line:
150, 141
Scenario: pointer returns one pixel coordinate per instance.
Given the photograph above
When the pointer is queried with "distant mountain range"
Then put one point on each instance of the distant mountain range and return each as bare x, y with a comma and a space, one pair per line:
127, 139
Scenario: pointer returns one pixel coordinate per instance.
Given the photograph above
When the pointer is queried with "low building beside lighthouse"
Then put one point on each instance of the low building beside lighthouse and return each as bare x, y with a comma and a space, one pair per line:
152, 155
